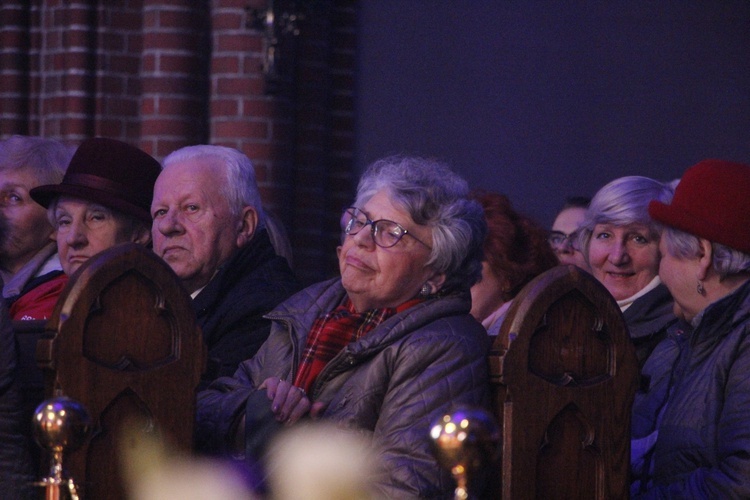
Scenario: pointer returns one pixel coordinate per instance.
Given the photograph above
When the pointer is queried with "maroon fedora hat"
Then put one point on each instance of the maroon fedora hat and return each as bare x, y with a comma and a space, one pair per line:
712, 201
109, 172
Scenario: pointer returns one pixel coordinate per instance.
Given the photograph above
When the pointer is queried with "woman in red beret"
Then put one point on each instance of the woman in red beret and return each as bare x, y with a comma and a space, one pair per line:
701, 442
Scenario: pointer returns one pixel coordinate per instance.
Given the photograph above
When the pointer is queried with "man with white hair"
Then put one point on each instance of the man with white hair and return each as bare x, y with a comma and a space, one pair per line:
208, 225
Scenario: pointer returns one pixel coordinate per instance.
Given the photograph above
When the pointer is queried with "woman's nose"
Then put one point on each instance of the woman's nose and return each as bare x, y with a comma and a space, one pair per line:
364, 237
618, 254
76, 234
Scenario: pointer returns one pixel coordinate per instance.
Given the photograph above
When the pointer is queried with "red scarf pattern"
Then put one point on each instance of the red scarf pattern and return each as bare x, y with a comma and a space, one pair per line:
333, 331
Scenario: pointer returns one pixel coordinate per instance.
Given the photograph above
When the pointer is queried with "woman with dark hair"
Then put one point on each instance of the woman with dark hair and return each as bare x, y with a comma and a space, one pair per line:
385, 349
515, 252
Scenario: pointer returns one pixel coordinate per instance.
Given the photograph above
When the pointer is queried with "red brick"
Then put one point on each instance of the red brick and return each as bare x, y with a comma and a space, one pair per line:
13, 125
260, 107
252, 63
239, 86
244, 128
225, 107
238, 42
167, 127
13, 38
166, 146
151, 19
111, 84
126, 20
178, 106
110, 128
188, 41
227, 21
115, 42
259, 151
148, 106
12, 105
122, 107
124, 64
12, 81
73, 14
134, 43
149, 63
12, 14
171, 85
74, 127
186, 63
225, 64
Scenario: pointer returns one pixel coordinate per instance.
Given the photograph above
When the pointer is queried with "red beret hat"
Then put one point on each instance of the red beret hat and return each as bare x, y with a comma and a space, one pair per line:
712, 201
109, 172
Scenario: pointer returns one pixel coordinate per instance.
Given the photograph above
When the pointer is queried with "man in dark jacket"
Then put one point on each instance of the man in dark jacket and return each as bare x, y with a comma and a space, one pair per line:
209, 226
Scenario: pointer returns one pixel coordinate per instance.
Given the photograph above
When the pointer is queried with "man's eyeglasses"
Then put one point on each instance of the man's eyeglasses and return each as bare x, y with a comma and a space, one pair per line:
559, 240
385, 233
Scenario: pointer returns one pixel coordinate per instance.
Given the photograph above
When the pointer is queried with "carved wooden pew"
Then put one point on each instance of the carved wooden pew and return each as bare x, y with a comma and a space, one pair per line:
125, 344
564, 374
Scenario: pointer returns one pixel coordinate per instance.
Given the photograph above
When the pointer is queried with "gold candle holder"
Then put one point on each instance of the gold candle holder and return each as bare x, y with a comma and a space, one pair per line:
465, 441
60, 424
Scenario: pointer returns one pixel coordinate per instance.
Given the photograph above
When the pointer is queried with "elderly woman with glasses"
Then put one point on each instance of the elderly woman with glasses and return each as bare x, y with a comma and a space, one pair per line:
384, 349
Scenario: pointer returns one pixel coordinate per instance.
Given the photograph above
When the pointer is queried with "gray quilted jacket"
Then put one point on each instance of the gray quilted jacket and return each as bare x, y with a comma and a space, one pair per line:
391, 384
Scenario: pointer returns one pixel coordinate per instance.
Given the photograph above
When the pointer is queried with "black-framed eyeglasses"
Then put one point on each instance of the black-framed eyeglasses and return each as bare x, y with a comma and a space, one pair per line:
558, 239
385, 233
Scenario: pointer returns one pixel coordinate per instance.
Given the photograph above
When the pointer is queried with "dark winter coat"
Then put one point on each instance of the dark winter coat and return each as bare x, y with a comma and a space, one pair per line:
16, 472
230, 308
703, 444
648, 319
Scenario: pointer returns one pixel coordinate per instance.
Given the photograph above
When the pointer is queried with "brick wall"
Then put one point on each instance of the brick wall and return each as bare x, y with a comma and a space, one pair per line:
72, 69
175, 75
169, 73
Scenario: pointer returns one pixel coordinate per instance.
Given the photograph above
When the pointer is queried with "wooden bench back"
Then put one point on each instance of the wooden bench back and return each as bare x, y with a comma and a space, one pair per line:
564, 375
127, 346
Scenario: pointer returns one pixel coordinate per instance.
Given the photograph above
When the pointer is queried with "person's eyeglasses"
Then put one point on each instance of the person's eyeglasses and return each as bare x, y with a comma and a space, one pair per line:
385, 233
559, 240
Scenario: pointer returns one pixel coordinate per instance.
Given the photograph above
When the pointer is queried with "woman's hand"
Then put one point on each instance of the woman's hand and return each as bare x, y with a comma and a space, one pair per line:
289, 403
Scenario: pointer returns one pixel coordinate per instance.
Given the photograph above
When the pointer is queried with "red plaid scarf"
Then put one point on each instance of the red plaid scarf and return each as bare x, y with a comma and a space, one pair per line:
335, 330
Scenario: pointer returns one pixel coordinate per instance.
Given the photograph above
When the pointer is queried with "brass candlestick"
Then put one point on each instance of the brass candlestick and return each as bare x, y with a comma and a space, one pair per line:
465, 441
60, 424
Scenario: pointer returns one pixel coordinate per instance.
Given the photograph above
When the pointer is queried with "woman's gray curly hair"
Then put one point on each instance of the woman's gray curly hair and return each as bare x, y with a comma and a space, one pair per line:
436, 197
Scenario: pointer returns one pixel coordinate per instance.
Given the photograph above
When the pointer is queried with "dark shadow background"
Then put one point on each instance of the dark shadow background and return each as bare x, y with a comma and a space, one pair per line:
543, 99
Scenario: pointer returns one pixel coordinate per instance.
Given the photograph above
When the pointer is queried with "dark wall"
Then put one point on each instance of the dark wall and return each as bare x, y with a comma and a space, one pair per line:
544, 99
